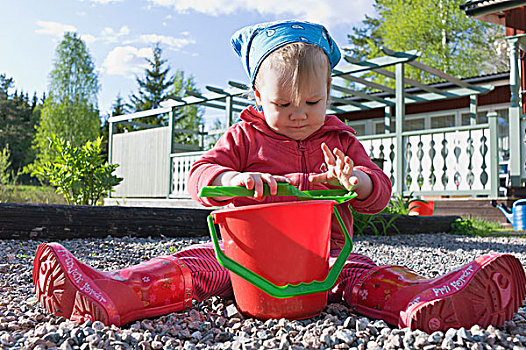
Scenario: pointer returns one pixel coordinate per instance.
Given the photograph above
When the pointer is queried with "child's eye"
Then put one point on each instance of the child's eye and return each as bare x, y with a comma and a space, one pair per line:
313, 102
283, 105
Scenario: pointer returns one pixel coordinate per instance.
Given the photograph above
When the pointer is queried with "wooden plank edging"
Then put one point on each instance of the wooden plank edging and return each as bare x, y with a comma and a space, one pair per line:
51, 221
54, 221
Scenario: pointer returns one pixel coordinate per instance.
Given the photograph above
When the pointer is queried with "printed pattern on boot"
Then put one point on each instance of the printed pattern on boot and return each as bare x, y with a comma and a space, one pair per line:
487, 291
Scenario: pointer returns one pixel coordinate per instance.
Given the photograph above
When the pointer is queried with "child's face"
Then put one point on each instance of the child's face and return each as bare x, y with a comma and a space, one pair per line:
294, 120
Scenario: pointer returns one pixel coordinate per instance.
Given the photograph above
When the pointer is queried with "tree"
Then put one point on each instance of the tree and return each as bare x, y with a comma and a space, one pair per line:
159, 85
118, 108
70, 111
187, 117
448, 39
153, 88
18, 116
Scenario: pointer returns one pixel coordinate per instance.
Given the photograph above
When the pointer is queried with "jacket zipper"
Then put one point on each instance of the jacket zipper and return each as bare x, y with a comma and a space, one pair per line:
302, 149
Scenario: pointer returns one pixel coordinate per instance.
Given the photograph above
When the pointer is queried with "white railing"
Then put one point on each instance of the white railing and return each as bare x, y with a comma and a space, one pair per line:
447, 161
181, 163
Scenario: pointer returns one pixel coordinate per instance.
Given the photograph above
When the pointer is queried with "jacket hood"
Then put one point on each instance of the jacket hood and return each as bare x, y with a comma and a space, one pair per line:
257, 120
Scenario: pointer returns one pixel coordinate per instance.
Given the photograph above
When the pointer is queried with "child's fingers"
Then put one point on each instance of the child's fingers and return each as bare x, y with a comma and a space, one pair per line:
349, 166
272, 183
258, 187
349, 182
248, 182
327, 155
318, 178
340, 156
281, 178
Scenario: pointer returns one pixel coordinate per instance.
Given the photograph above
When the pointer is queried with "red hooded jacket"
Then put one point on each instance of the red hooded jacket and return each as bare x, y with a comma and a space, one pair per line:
251, 145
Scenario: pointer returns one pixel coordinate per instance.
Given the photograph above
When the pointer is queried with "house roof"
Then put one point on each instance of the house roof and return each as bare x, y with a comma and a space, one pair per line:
484, 7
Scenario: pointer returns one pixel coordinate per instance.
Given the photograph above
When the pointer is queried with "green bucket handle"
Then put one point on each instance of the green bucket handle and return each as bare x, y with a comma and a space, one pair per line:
288, 290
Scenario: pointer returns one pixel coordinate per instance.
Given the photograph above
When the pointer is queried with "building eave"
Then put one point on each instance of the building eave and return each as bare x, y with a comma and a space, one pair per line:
485, 7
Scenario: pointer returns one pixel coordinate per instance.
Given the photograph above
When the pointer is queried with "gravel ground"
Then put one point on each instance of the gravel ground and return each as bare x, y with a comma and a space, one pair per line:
214, 324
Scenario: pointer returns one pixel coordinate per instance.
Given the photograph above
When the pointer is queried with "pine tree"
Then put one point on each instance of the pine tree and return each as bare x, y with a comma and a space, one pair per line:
70, 111
153, 88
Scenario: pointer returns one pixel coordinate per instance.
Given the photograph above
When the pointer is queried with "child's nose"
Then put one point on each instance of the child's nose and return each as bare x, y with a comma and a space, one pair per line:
298, 114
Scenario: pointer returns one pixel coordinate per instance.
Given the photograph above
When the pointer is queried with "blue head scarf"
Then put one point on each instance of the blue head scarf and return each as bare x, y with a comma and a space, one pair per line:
254, 43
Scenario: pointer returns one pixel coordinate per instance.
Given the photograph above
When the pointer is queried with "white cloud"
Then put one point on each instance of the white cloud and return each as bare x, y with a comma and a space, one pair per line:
54, 28
88, 38
170, 42
108, 34
126, 61
329, 12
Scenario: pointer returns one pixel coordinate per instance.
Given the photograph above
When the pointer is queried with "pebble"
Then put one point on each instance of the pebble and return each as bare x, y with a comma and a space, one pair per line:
216, 323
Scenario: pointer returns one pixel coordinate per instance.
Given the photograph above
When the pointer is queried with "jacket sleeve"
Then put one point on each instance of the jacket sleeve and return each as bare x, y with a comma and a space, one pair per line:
227, 155
382, 187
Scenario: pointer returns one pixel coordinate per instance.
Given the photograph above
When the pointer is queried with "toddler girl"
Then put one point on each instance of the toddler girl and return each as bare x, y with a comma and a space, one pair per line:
286, 138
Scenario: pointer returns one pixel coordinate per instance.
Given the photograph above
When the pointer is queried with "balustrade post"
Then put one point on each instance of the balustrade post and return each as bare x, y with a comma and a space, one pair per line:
473, 109
228, 111
387, 119
170, 150
515, 164
111, 130
493, 153
400, 116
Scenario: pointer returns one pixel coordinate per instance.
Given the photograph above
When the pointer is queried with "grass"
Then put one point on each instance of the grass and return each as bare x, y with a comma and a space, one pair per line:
30, 194
475, 227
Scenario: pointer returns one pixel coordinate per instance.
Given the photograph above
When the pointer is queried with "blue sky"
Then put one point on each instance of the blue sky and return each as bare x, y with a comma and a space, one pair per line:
194, 34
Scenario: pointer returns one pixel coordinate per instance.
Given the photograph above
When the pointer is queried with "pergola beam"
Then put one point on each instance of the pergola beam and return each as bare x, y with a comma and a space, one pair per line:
379, 87
378, 62
362, 95
428, 97
360, 106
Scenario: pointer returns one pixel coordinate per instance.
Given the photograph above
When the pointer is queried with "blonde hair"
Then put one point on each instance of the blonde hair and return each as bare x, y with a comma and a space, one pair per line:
297, 64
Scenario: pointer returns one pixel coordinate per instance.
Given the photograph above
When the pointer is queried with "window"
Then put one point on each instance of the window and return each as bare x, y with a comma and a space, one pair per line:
379, 127
443, 121
359, 128
414, 124
482, 118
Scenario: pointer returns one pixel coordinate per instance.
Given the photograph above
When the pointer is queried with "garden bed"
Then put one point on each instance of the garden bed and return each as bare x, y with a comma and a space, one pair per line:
54, 221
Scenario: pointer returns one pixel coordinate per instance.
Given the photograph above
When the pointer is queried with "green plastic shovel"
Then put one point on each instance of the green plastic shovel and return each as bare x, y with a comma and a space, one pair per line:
284, 189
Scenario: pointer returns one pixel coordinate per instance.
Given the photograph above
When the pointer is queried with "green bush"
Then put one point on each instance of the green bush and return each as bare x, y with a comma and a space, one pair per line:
81, 174
474, 227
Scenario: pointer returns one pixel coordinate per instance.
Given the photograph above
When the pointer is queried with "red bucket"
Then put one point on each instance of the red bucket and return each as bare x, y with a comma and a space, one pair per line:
424, 208
285, 243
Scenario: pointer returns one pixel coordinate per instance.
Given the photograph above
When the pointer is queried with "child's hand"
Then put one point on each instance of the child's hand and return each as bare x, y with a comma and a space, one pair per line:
339, 169
250, 181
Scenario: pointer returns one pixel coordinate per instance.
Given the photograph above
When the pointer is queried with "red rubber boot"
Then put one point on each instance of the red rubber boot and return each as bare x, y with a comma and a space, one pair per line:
489, 290
67, 287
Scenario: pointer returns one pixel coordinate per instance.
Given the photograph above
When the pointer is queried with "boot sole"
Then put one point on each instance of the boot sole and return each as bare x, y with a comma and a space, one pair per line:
66, 293
490, 297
